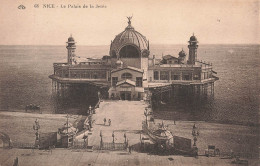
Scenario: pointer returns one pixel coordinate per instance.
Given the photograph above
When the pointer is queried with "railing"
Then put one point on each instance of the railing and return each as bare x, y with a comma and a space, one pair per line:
113, 146
60, 64
79, 145
105, 146
23, 145
178, 65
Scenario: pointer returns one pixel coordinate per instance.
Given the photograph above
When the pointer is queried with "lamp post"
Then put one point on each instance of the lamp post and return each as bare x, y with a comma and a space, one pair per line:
101, 139
113, 136
125, 137
67, 124
195, 133
36, 127
146, 114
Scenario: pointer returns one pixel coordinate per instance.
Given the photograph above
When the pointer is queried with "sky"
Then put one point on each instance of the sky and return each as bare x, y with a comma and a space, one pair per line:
160, 21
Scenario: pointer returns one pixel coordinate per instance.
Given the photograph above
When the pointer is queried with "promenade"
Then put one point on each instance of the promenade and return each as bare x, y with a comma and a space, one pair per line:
126, 118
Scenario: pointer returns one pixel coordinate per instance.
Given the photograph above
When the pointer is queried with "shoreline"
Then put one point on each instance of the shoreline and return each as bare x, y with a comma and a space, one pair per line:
227, 122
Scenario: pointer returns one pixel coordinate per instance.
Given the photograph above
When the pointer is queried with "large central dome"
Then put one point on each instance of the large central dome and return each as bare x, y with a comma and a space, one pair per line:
129, 44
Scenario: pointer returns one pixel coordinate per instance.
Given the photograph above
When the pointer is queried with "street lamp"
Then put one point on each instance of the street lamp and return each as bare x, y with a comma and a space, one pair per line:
125, 137
146, 114
113, 135
36, 127
101, 140
67, 124
195, 133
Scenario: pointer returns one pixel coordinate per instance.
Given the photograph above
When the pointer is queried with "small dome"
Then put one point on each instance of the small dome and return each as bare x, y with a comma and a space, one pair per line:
71, 39
182, 53
193, 38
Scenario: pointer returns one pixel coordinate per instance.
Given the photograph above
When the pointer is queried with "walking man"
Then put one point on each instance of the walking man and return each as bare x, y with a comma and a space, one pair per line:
109, 122
130, 149
16, 162
105, 121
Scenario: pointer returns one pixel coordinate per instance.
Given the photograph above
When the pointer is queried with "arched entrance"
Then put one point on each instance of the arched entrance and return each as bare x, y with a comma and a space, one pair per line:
124, 95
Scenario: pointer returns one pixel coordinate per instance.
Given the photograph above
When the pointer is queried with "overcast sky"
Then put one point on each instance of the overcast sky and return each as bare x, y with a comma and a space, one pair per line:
161, 21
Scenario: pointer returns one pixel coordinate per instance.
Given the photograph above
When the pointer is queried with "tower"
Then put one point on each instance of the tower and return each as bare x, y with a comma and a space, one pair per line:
193, 45
182, 56
71, 49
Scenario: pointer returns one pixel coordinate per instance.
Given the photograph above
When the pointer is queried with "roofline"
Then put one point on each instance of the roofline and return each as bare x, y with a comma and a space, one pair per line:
125, 83
126, 68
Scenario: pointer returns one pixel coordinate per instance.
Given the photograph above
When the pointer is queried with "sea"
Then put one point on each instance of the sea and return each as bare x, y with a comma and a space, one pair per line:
24, 77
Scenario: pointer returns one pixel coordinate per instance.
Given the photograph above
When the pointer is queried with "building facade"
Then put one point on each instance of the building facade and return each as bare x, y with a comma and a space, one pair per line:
130, 71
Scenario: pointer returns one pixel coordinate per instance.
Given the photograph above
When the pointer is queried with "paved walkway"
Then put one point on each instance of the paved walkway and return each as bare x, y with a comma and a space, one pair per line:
126, 117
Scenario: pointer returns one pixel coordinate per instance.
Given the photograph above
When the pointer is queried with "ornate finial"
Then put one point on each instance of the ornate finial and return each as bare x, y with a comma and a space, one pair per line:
193, 34
70, 35
129, 20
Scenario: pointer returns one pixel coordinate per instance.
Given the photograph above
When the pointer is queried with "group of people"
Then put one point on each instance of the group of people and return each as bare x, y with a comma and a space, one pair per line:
109, 121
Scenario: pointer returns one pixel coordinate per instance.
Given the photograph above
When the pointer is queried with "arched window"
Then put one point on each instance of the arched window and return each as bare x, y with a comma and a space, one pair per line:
126, 76
129, 51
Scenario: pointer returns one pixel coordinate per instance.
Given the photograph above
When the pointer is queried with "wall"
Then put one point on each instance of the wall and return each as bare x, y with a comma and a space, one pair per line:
144, 65
134, 62
119, 73
175, 71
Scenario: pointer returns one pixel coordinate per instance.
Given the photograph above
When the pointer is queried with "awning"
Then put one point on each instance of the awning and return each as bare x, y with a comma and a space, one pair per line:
127, 81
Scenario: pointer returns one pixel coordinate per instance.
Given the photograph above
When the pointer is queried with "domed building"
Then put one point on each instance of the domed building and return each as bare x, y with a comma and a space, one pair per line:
129, 44
128, 72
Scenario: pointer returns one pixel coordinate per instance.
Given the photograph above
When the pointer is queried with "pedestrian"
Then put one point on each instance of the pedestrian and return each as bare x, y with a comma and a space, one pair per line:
109, 122
16, 162
130, 149
194, 126
105, 121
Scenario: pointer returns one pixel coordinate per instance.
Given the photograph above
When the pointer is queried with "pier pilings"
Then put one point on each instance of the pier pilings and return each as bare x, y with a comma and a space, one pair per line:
190, 94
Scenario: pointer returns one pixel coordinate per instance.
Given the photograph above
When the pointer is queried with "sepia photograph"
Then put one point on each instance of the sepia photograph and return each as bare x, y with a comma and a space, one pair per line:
129, 82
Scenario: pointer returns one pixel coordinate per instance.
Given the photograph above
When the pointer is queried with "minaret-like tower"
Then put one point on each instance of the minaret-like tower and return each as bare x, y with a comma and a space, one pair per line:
193, 45
71, 49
